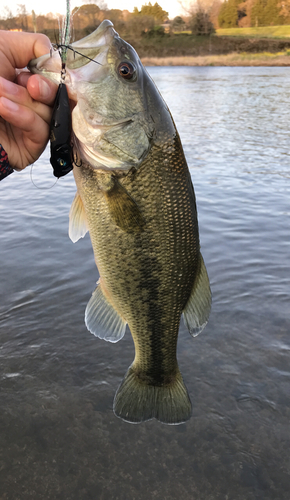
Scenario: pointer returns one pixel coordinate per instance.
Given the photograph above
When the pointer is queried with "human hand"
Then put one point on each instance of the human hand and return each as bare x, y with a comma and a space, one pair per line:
25, 100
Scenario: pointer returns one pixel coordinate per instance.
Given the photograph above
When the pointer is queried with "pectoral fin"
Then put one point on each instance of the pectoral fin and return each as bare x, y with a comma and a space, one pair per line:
102, 319
124, 210
197, 309
77, 220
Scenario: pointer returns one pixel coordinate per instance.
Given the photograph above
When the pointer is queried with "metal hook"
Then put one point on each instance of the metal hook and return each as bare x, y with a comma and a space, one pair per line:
61, 45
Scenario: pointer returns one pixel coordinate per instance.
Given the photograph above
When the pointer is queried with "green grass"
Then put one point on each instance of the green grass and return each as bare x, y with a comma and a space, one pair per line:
262, 32
263, 55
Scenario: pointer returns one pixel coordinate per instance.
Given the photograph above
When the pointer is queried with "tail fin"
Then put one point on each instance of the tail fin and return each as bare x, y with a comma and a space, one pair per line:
135, 401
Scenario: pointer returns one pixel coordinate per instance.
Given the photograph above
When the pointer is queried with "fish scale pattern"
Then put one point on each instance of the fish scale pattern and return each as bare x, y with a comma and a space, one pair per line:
149, 275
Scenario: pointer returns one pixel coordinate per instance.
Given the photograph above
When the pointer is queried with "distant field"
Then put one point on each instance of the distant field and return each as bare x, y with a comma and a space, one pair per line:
263, 32
233, 59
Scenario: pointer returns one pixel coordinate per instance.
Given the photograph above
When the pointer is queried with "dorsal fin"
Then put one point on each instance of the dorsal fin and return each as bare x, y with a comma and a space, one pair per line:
77, 220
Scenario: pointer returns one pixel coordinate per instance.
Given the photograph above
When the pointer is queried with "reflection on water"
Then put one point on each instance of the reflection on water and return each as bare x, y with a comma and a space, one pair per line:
59, 438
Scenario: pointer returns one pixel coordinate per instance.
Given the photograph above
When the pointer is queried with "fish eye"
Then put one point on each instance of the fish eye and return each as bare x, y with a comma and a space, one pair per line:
126, 70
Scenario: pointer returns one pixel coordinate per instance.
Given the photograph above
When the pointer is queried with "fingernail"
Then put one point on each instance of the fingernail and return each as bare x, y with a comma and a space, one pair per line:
44, 89
10, 105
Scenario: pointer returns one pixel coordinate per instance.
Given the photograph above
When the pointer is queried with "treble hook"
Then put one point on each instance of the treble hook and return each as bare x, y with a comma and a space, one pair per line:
61, 45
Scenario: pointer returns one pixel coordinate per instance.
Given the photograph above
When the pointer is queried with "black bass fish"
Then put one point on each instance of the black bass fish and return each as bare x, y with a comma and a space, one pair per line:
135, 196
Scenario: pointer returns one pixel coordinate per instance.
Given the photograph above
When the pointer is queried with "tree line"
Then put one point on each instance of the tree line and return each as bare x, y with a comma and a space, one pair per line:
254, 13
202, 17
87, 16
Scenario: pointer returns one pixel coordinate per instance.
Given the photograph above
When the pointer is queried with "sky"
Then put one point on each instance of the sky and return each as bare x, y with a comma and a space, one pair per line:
58, 6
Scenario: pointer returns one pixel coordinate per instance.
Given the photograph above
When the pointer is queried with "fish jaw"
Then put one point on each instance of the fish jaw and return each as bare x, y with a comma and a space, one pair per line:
48, 65
93, 47
115, 120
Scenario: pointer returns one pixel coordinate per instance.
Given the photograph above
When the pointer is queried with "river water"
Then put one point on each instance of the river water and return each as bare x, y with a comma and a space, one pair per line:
59, 438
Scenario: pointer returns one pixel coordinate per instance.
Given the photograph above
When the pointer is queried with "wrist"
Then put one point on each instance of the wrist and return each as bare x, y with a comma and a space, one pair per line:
5, 168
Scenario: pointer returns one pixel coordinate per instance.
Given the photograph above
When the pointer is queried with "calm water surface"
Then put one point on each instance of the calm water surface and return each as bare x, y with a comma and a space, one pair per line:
59, 438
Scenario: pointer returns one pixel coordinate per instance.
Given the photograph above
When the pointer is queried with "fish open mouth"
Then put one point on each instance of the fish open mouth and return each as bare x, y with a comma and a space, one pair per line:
104, 83
82, 58
85, 59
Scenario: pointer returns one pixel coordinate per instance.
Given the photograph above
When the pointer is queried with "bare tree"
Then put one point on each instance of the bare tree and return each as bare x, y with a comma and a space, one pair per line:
190, 6
22, 15
34, 21
199, 13
99, 3
8, 17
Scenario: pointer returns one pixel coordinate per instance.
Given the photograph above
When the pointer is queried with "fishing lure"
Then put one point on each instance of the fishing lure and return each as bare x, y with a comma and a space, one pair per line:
61, 123
60, 134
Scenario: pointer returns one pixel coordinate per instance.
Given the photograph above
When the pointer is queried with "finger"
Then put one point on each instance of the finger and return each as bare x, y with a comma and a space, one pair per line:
39, 88
20, 95
23, 118
32, 45
42, 89
22, 78
26, 120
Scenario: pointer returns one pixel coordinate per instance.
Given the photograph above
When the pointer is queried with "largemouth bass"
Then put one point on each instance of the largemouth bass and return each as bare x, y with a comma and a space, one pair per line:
135, 196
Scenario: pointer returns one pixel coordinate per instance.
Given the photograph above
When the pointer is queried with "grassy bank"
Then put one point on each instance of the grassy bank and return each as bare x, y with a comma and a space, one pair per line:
186, 45
234, 59
189, 45
259, 32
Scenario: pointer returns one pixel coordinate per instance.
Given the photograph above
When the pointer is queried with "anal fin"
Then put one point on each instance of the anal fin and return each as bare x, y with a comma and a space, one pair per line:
197, 309
102, 319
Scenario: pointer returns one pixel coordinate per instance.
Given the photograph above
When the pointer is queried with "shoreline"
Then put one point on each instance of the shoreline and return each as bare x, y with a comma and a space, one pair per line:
233, 59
